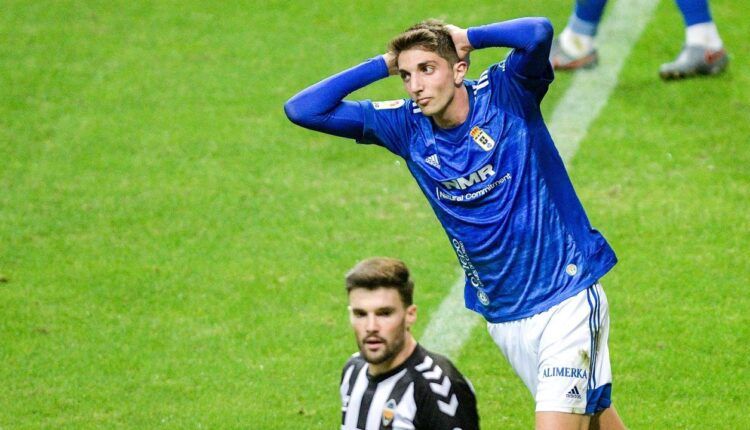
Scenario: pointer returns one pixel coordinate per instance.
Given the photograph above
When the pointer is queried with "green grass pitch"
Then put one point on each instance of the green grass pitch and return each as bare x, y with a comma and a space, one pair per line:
172, 248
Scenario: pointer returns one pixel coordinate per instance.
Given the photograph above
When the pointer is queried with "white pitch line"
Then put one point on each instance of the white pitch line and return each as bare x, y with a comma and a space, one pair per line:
452, 323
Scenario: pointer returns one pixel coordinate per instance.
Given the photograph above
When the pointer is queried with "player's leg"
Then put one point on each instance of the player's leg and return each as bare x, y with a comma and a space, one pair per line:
558, 354
518, 341
703, 52
561, 421
607, 419
575, 377
574, 48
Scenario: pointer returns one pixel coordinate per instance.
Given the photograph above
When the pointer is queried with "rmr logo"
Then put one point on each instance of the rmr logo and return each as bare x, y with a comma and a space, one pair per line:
480, 175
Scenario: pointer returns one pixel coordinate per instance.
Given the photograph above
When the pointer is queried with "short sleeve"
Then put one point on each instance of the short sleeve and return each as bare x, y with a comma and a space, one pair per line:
386, 125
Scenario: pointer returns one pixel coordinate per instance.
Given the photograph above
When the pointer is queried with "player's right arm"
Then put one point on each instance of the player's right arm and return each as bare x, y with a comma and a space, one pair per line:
321, 107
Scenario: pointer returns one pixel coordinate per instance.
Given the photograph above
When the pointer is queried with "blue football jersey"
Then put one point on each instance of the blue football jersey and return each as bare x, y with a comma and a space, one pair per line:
499, 188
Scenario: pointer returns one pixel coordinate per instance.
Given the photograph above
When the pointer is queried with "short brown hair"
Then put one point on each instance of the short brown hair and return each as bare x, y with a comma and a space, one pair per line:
430, 35
382, 272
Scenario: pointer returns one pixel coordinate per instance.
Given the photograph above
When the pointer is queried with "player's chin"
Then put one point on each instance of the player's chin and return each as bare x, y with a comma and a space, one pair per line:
431, 108
374, 355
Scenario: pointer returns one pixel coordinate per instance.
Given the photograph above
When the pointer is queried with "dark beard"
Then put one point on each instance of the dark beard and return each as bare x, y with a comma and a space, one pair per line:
391, 350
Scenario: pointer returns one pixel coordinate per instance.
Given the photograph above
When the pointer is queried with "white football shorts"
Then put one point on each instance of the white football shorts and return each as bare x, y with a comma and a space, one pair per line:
561, 354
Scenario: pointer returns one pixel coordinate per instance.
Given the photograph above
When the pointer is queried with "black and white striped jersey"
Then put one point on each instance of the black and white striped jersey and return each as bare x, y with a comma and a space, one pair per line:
425, 392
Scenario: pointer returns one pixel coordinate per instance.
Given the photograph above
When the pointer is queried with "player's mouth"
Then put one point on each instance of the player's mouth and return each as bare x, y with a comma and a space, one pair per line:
373, 343
423, 101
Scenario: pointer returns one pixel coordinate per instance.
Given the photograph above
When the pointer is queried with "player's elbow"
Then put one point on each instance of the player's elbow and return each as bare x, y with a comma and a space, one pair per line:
293, 111
542, 31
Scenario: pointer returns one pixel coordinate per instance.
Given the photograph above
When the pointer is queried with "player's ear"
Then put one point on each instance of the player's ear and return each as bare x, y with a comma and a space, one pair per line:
411, 316
459, 71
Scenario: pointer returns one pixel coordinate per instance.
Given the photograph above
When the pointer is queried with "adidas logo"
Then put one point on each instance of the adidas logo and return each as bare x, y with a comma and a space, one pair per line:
432, 160
574, 394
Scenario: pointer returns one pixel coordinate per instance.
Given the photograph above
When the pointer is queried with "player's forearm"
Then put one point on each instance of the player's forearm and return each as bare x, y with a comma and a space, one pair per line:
530, 37
522, 33
321, 106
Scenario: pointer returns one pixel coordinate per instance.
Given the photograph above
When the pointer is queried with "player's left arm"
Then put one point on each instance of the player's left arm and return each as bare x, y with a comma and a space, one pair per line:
530, 38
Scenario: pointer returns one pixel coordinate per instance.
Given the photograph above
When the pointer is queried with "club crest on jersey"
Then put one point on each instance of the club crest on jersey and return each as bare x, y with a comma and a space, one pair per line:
388, 104
389, 412
482, 138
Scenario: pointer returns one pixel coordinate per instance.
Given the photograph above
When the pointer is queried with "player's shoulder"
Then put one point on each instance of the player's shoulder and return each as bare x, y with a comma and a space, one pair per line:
406, 108
389, 105
353, 365
430, 367
442, 394
355, 359
489, 79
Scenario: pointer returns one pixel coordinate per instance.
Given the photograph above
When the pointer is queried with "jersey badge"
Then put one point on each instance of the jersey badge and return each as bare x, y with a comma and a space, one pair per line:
483, 299
389, 104
433, 161
482, 139
572, 269
389, 412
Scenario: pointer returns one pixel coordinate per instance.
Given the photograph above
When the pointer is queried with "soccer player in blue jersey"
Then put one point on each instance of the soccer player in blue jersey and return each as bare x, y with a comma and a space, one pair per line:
482, 155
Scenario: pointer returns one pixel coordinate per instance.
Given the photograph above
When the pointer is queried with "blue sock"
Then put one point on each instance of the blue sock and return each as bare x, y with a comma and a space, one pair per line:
694, 11
586, 17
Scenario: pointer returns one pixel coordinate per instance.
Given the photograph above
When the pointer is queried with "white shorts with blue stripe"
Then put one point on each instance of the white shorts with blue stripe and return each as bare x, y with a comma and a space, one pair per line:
561, 354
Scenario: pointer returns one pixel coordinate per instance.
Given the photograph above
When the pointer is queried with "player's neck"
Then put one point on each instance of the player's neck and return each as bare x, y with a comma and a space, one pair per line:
456, 112
409, 344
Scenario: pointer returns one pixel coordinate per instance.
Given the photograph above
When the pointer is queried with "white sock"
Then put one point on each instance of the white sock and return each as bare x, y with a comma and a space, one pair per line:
704, 34
575, 44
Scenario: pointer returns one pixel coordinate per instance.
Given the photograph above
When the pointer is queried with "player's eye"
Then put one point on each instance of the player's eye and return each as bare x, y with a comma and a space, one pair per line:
405, 77
359, 314
384, 312
429, 69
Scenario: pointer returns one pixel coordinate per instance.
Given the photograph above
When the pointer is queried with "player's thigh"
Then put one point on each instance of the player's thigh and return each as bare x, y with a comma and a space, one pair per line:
519, 343
574, 371
561, 421
607, 419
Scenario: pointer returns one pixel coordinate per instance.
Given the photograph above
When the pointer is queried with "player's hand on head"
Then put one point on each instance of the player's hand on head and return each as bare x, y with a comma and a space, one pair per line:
390, 60
461, 41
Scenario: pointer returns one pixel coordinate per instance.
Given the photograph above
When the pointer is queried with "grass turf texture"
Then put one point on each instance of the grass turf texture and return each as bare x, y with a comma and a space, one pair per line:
173, 248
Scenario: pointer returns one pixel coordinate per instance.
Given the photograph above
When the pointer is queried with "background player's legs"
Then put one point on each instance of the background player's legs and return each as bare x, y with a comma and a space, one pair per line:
694, 11
574, 48
703, 52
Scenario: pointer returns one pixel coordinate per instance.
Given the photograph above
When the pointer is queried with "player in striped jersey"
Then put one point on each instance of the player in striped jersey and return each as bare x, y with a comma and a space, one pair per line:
393, 382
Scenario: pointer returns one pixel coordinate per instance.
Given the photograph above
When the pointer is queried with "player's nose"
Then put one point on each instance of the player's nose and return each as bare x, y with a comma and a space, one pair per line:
372, 324
415, 85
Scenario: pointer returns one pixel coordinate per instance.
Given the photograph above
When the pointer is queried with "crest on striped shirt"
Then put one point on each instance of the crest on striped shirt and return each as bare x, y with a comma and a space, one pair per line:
389, 412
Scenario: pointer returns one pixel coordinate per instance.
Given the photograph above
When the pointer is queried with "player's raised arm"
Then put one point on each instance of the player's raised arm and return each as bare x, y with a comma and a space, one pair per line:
321, 107
531, 39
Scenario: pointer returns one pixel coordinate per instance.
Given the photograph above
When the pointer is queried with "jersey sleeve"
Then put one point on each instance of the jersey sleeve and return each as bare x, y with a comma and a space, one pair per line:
516, 93
536, 85
387, 124
522, 79
445, 402
321, 107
